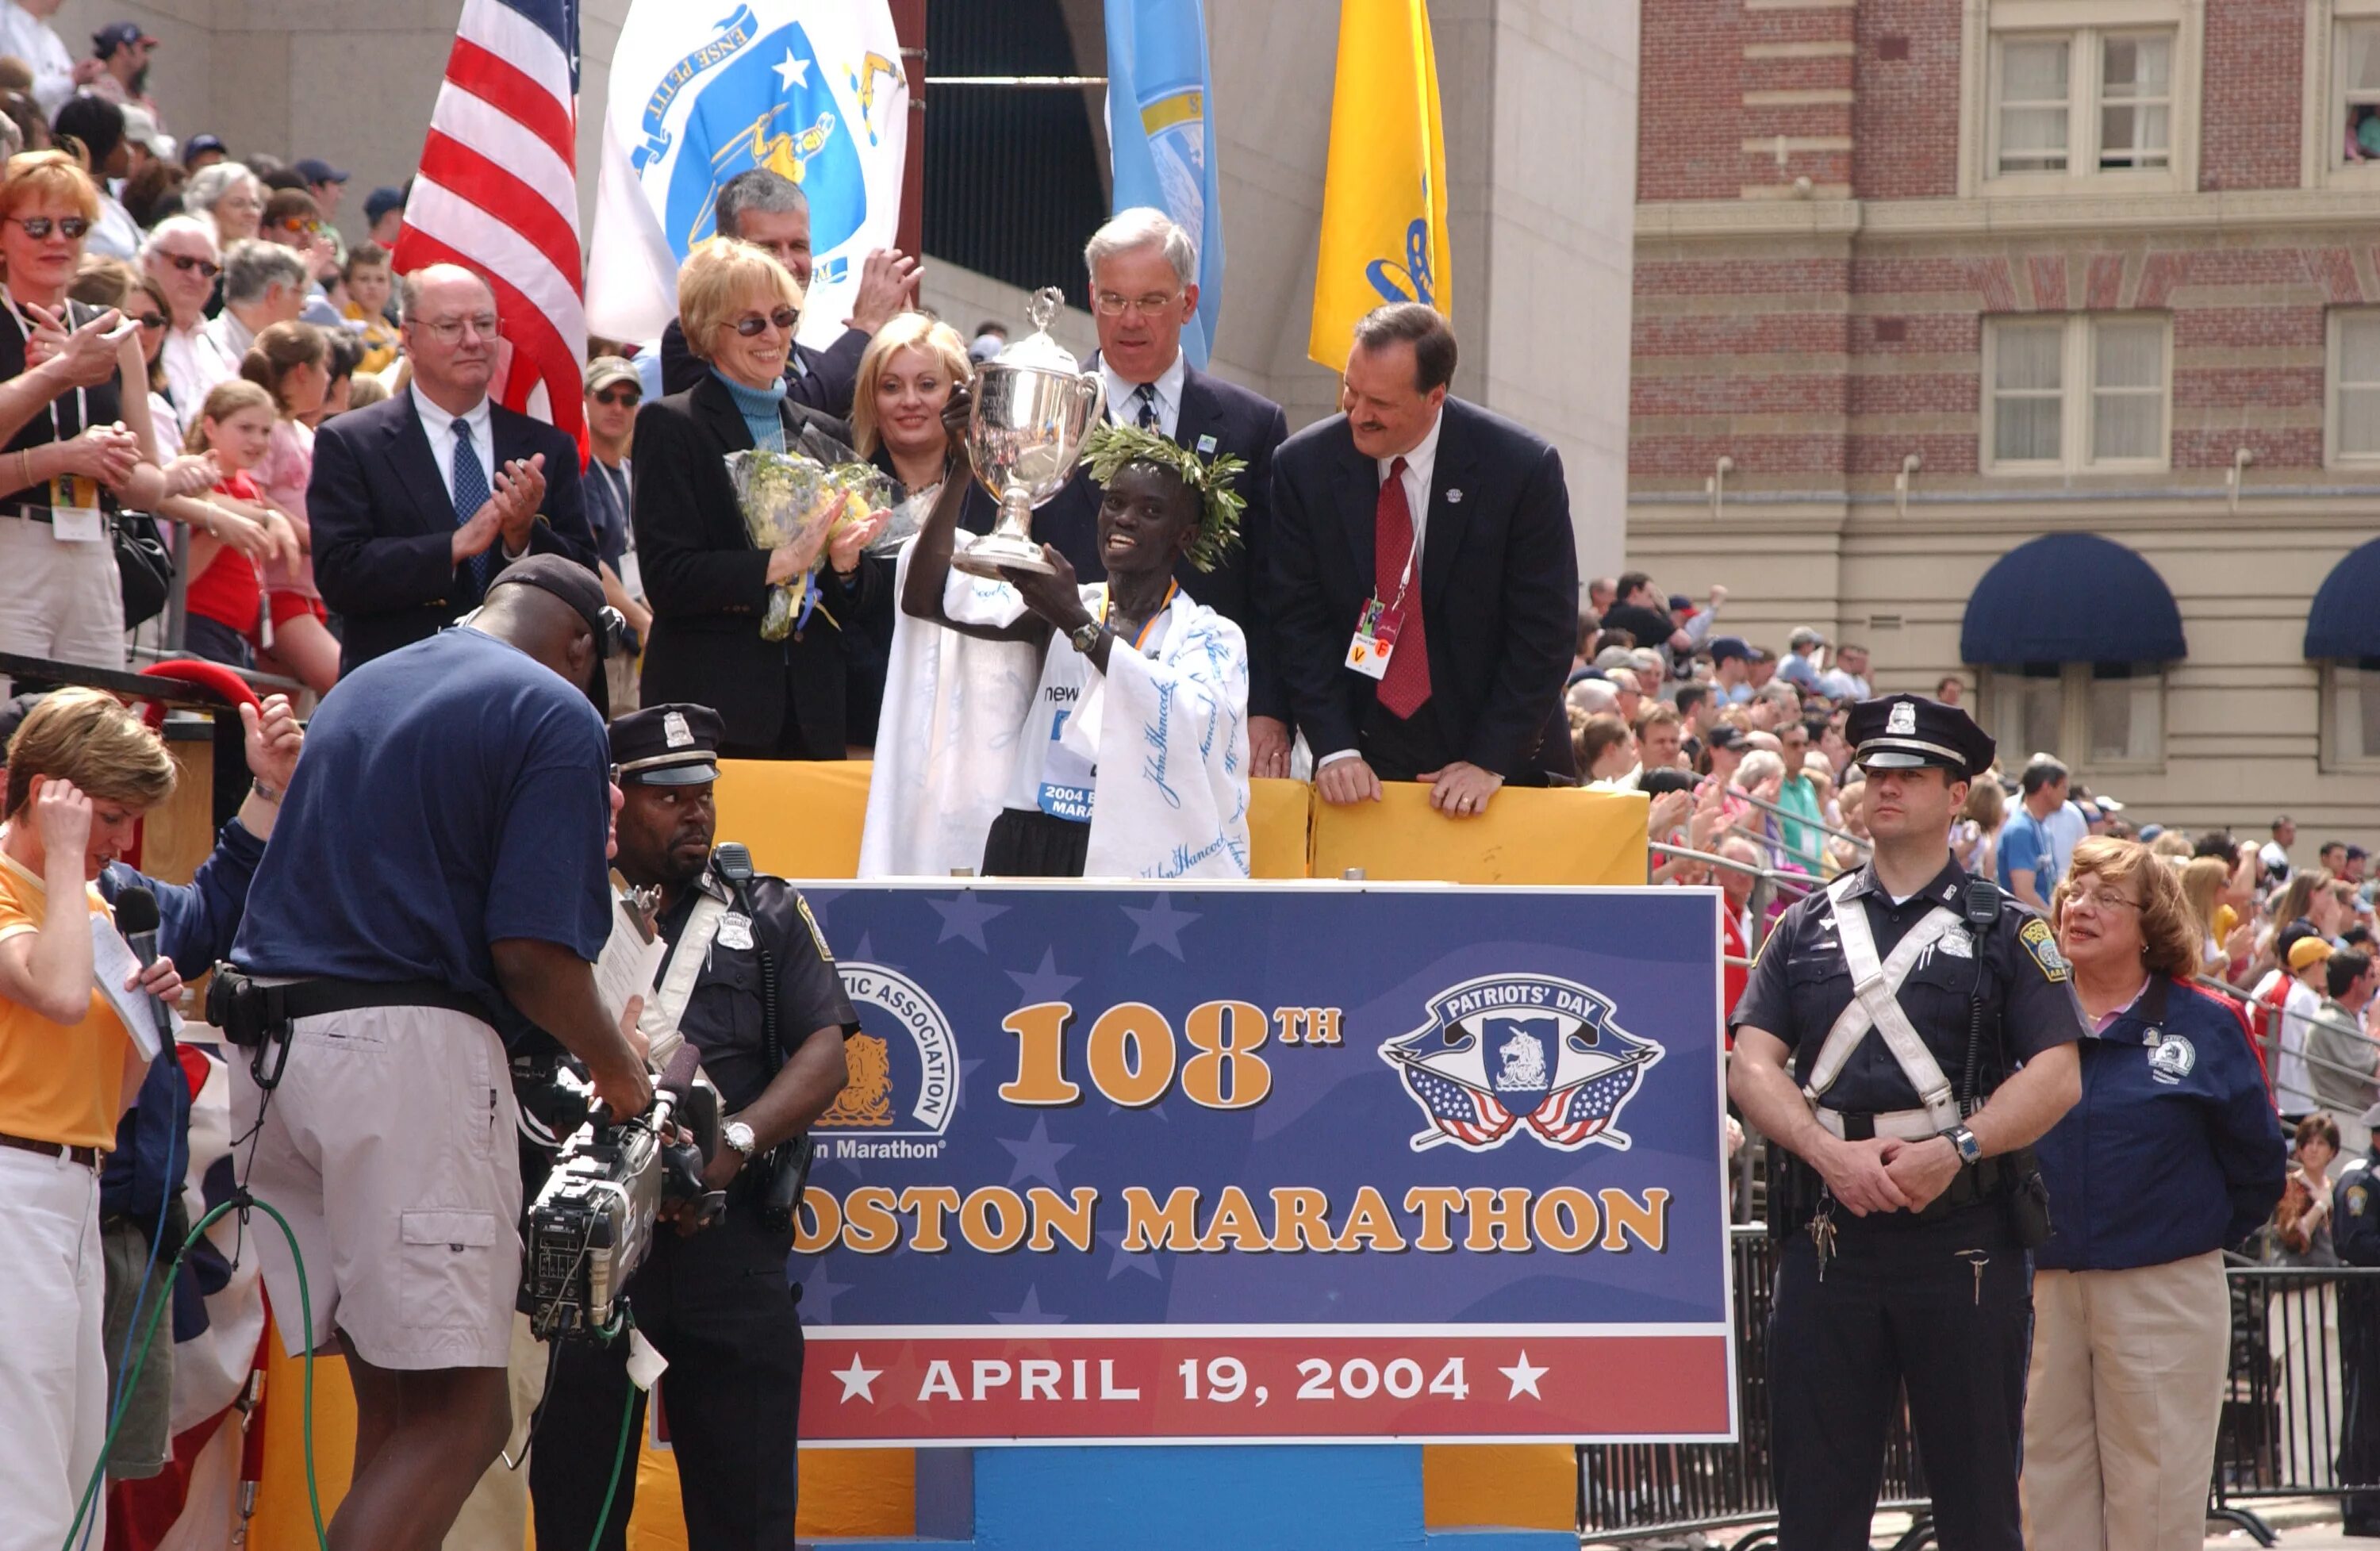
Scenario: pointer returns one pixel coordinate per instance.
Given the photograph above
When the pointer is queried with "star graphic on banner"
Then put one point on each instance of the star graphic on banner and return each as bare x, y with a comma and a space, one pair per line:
966, 1069
793, 72
1143, 1261
1160, 926
1044, 984
858, 1380
965, 917
1031, 1312
1155, 1112
820, 901
1525, 1377
818, 1296
864, 950
1037, 1156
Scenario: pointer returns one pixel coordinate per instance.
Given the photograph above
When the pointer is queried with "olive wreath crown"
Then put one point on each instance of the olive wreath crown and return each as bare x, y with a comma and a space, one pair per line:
1109, 448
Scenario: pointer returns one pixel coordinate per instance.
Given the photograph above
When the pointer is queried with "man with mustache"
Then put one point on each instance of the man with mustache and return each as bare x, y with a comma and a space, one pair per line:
418, 502
1423, 581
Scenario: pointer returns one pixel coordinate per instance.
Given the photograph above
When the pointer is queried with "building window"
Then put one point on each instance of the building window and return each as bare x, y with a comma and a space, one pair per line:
2081, 103
2351, 703
2354, 418
2074, 392
2095, 716
2356, 93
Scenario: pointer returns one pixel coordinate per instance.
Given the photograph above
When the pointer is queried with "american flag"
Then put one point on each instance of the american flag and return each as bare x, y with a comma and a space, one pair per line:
1470, 1115
1569, 1116
498, 193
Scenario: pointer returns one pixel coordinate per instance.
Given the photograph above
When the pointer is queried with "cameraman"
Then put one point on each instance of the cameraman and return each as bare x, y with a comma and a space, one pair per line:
81, 772
715, 1302
438, 873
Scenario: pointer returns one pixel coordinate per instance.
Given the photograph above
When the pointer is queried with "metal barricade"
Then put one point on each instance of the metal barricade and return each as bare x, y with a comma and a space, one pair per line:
1632, 1490
2305, 1341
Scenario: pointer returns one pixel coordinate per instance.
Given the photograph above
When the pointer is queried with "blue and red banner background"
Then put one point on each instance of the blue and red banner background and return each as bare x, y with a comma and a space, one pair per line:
1119, 1165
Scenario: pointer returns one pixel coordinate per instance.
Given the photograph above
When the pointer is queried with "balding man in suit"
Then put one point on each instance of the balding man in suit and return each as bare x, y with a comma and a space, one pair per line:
418, 502
1426, 525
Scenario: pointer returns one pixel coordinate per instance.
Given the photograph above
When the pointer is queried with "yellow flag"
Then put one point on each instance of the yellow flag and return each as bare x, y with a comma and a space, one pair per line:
1384, 198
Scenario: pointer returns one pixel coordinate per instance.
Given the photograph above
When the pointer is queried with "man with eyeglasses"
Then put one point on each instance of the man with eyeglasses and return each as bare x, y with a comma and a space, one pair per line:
182, 256
771, 211
613, 393
418, 502
1143, 272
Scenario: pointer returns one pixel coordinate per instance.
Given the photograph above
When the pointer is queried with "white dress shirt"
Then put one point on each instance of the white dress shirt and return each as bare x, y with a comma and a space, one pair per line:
194, 364
34, 41
230, 337
1123, 397
440, 428
1421, 462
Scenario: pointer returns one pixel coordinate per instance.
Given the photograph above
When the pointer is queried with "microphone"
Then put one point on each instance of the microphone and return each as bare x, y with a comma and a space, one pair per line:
136, 918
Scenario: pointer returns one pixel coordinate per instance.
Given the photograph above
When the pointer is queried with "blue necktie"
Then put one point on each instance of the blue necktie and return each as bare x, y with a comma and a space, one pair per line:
471, 492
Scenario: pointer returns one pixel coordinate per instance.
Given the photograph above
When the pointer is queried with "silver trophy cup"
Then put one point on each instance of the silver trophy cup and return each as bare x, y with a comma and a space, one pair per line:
1033, 404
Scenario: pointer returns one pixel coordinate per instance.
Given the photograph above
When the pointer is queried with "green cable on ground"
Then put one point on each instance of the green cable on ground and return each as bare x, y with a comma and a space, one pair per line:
149, 1335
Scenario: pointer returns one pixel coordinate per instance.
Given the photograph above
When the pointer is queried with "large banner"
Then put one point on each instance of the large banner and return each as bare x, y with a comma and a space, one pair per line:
1270, 1161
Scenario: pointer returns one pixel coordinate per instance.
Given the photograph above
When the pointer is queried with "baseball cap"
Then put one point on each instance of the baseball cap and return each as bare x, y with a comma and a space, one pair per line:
380, 201
1680, 604
1725, 647
2308, 950
115, 35
200, 144
604, 370
576, 586
314, 169
1804, 635
1725, 735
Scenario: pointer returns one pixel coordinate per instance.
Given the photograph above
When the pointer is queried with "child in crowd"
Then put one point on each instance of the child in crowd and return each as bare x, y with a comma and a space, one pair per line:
225, 601
368, 283
292, 362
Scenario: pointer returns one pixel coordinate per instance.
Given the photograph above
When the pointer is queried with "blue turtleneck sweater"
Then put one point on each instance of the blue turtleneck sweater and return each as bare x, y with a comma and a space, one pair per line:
762, 409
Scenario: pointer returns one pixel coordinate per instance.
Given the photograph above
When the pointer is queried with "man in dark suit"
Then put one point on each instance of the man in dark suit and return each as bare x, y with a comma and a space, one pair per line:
1143, 269
771, 211
1456, 523
418, 502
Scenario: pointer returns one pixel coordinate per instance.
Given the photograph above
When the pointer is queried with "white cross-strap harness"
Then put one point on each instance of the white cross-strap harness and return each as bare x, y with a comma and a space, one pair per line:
1875, 987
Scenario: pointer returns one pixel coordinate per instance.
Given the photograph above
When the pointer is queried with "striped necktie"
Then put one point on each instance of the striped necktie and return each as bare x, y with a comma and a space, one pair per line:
471, 492
1146, 395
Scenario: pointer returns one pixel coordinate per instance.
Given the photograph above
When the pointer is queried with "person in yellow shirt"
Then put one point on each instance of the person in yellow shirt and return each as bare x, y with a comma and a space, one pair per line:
368, 282
81, 772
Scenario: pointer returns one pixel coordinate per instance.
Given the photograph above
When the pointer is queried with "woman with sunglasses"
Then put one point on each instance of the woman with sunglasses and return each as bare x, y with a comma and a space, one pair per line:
82, 447
706, 582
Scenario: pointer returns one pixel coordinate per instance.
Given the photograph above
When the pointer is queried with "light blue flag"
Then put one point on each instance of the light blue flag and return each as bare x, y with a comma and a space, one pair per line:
1161, 132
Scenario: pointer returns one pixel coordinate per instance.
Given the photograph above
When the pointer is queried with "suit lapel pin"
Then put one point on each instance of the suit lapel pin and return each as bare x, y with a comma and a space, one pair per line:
1206, 445
1455, 498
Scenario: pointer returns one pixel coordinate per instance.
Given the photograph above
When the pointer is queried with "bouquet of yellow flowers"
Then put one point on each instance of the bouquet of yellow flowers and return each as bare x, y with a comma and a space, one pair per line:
803, 496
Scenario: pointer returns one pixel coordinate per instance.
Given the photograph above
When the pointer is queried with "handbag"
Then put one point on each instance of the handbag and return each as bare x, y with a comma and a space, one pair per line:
144, 567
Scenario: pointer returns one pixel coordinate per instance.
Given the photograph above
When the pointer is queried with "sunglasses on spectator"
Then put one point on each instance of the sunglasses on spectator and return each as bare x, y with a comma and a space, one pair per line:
186, 263
784, 317
297, 226
71, 227
623, 398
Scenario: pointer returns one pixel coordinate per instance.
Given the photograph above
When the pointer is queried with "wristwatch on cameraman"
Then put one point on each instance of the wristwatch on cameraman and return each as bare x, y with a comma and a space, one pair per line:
1085, 635
1971, 1152
738, 1135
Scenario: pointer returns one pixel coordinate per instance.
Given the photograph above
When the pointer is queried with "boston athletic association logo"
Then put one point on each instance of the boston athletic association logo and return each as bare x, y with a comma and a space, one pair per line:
1508, 1051
904, 1067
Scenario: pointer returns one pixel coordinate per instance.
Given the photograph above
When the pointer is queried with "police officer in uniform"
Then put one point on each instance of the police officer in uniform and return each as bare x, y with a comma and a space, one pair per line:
715, 1300
2355, 1232
1908, 1033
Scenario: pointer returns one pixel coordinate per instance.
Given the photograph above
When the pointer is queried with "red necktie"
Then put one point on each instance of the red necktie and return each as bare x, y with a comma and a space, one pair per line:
1405, 687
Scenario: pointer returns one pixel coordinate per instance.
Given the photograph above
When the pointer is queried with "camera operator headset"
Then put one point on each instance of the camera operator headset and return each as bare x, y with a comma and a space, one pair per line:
749, 983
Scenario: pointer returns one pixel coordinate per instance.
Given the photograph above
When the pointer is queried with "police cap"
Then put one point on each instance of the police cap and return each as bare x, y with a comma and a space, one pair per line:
1908, 731
667, 745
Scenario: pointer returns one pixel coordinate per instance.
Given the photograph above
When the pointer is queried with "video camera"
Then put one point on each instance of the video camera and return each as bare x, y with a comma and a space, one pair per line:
592, 1224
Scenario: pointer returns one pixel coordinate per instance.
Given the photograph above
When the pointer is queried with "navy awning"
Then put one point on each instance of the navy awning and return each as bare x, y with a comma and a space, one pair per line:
2071, 598
2345, 619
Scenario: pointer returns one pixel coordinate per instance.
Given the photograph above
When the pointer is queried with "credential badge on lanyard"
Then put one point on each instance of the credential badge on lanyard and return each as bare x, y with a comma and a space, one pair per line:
1378, 625
73, 499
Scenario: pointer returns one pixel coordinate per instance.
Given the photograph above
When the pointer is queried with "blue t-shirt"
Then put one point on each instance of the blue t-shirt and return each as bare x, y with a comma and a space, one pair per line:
452, 794
2025, 847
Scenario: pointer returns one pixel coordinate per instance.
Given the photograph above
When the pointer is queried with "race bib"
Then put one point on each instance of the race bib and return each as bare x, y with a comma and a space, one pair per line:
1066, 776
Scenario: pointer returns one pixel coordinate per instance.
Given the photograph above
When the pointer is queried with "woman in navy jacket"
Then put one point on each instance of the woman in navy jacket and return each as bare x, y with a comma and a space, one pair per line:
2172, 1153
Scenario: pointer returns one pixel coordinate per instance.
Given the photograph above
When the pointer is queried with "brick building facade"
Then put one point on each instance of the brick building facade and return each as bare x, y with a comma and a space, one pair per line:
1918, 280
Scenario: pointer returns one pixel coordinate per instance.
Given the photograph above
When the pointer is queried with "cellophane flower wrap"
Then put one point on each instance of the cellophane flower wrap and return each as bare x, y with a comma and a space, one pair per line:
803, 496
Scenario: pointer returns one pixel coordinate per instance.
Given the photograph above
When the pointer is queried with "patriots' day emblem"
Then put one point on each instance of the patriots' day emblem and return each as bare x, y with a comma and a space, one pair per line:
1505, 1052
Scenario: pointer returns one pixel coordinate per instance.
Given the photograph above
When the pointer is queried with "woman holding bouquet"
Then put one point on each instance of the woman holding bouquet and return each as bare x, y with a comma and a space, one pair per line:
710, 586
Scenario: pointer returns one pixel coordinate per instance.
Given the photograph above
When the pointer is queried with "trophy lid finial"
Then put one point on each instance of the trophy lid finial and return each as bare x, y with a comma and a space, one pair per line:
1037, 351
1044, 305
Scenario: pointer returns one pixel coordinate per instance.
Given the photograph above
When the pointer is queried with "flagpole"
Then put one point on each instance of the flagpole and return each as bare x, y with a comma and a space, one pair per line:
909, 26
